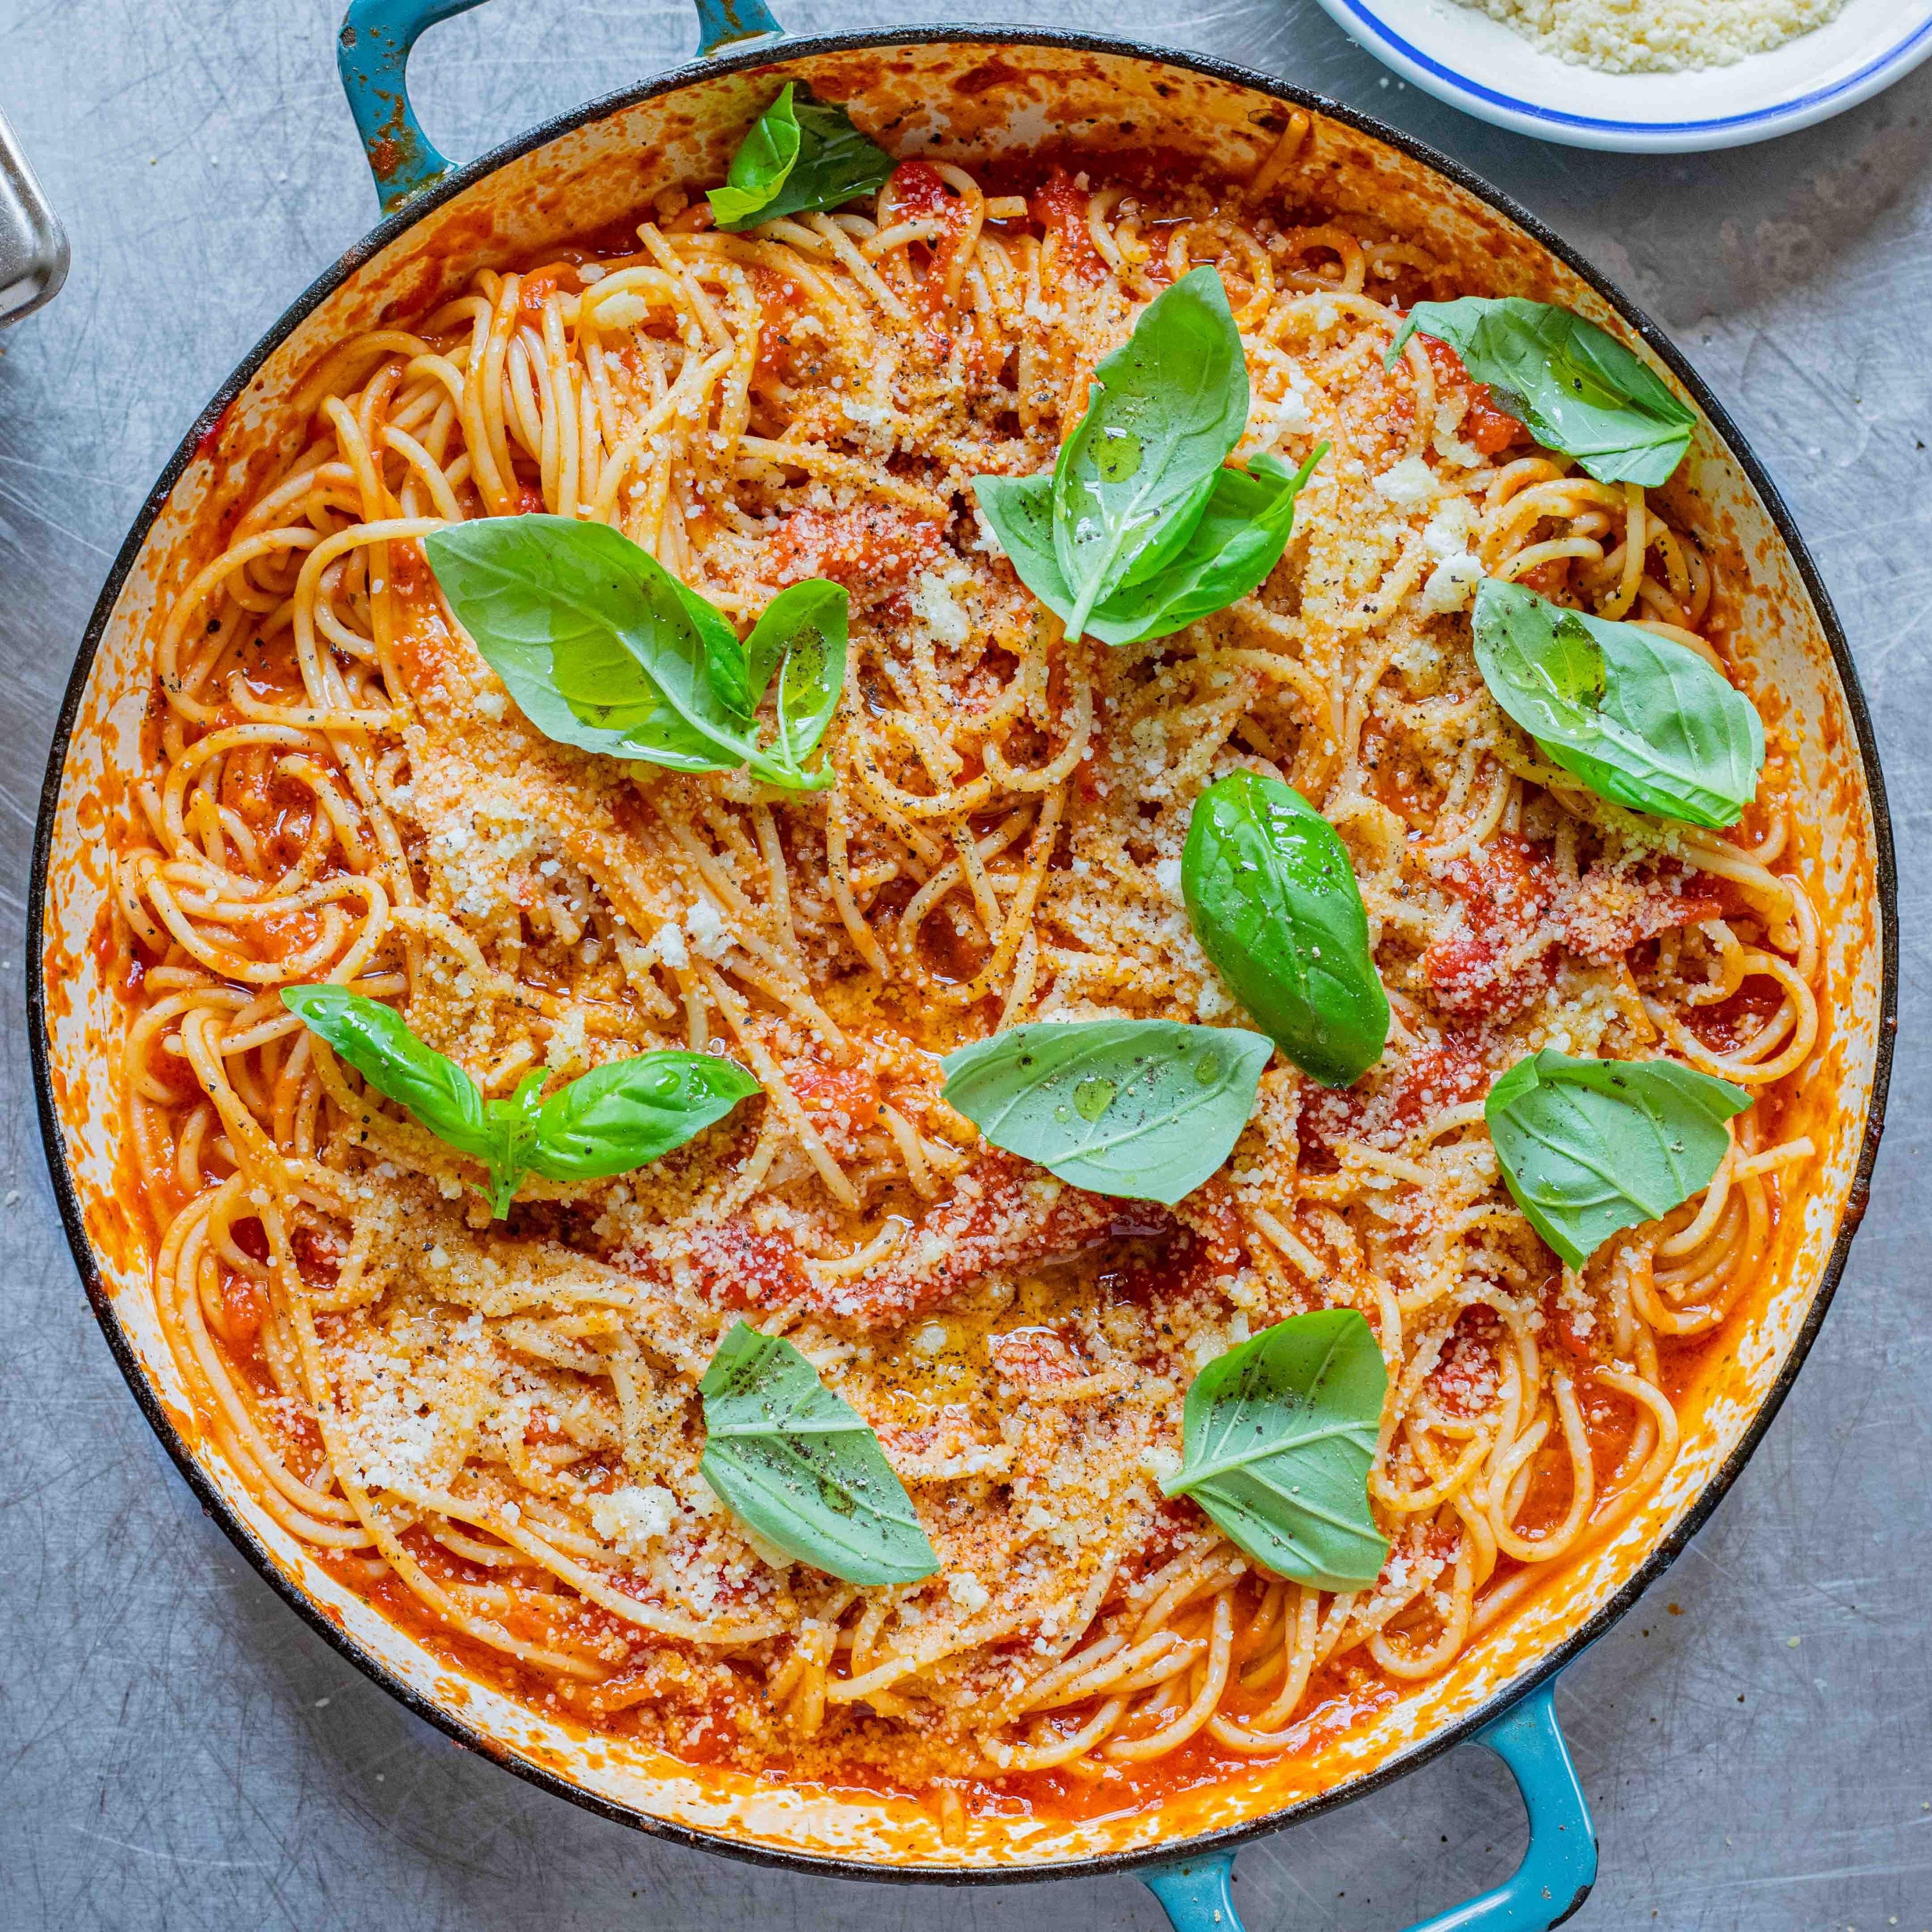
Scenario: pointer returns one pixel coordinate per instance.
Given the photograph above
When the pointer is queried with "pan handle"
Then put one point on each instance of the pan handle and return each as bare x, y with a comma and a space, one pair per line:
1553, 1880
372, 55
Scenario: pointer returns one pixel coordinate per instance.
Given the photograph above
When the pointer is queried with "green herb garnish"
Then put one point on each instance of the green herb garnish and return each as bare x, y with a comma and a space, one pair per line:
1588, 1147
1279, 1436
603, 649
798, 1465
1575, 388
801, 156
1143, 1109
1139, 529
1642, 720
1275, 905
613, 1118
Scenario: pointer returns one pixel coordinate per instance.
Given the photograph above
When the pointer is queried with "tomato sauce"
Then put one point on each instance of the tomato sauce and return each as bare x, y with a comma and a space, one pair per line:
871, 550
1463, 1382
734, 1266
1423, 1084
1727, 1026
244, 1307
1507, 889
539, 285
917, 192
842, 1103
781, 356
120, 963
1486, 424
1518, 910
1397, 780
1061, 209
1039, 1357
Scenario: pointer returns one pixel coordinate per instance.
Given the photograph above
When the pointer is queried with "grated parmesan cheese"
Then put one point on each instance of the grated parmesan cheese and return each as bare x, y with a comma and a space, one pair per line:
707, 930
566, 1049
670, 947
1408, 483
1657, 36
1452, 584
634, 1517
934, 601
967, 1591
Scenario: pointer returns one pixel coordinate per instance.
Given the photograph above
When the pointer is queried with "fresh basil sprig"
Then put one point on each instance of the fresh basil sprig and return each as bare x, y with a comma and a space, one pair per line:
1139, 529
1641, 720
1237, 541
1576, 387
797, 1464
801, 156
1275, 905
616, 1116
1588, 1147
603, 648
1278, 1436
1143, 1109
1166, 410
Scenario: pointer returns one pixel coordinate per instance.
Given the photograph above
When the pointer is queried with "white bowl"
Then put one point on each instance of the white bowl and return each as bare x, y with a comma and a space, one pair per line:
1489, 70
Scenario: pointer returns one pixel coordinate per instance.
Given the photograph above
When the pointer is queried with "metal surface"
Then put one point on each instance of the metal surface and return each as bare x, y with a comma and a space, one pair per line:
221, 1792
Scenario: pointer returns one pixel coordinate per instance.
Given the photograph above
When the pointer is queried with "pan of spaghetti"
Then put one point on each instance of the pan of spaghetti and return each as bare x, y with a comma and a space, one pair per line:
959, 954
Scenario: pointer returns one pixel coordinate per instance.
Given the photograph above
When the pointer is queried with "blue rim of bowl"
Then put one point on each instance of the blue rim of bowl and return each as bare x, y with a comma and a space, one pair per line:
1852, 88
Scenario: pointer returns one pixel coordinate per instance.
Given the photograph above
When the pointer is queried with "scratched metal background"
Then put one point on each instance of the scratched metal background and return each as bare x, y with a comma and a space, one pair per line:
176, 1750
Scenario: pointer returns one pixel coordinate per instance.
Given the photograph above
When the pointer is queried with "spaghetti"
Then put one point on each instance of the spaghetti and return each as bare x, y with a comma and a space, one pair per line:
492, 1430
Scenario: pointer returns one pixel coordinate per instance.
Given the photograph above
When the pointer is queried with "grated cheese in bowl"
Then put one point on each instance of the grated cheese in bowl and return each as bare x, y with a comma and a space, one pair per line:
1657, 36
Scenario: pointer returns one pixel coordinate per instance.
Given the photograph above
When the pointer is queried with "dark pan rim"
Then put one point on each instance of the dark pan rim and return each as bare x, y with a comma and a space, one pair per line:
1400, 1763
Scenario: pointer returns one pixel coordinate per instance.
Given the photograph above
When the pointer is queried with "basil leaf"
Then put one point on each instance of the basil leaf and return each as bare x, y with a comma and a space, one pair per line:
1143, 1109
1576, 387
726, 665
1244, 528
796, 655
1240, 535
1588, 1147
760, 167
375, 1040
570, 615
628, 1112
605, 649
1166, 408
801, 156
614, 1118
1274, 903
1020, 509
1641, 720
1279, 1436
797, 1464
512, 1125
437, 1094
